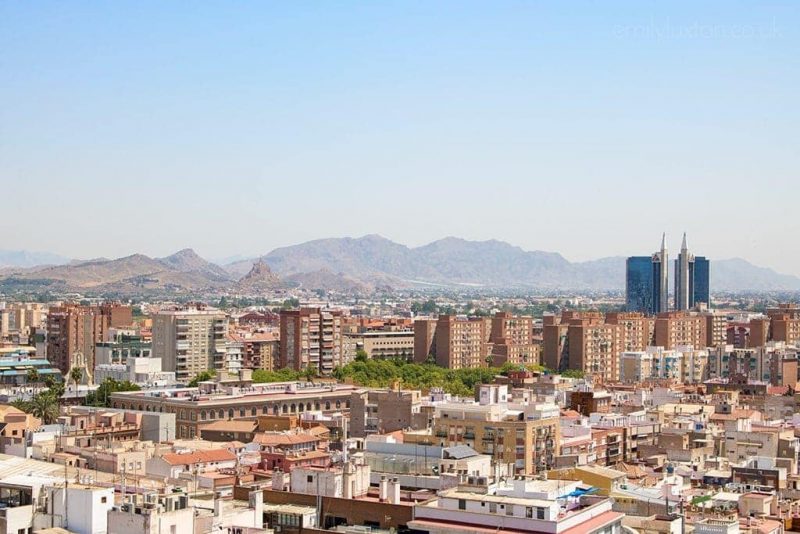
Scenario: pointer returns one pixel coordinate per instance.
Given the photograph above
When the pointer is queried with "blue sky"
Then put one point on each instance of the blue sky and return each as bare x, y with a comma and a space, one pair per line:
586, 128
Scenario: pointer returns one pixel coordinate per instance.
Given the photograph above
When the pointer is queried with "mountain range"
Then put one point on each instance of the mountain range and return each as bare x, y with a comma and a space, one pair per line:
360, 265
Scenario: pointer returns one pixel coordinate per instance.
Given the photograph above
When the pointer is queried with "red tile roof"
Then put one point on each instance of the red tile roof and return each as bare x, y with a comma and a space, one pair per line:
199, 457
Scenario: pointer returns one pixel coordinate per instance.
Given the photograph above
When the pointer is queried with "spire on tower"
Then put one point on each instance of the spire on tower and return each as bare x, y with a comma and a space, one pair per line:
664, 241
683, 245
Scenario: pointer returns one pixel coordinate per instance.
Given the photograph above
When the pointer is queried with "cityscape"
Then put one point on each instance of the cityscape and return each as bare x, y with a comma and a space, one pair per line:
441, 268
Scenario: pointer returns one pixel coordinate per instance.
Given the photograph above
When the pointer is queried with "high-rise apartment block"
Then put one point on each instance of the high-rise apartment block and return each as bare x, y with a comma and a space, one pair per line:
73, 331
190, 340
678, 328
512, 340
780, 324
586, 341
311, 338
454, 342
637, 331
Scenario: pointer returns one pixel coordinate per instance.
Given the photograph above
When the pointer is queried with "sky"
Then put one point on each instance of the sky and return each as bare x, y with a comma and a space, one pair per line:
586, 128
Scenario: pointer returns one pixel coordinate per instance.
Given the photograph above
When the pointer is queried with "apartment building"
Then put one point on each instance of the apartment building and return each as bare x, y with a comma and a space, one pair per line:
73, 331
587, 342
380, 344
781, 323
190, 340
383, 411
774, 363
311, 337
636, 332
785, 323
454, 342
716, 328
260, 350
511, 339
685, 365
525, 437
681, 328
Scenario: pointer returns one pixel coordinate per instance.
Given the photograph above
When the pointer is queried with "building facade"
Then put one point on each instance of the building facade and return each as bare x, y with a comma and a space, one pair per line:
190, 341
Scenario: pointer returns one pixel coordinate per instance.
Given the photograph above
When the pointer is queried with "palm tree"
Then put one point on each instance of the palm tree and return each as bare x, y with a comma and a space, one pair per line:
76, 374
32, 377
45, 407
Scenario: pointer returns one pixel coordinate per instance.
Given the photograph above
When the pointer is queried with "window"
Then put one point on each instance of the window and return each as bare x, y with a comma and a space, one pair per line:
103, 499
492, 507
462, 504
310, 478
539, 512
529, 512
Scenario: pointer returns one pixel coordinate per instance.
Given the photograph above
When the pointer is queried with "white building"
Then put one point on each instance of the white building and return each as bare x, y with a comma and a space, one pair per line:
80, 508
154, 514
346, 482
552, 506
142, 371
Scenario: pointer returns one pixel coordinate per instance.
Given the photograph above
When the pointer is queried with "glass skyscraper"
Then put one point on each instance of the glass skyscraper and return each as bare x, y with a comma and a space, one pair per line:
639, 284
701, 281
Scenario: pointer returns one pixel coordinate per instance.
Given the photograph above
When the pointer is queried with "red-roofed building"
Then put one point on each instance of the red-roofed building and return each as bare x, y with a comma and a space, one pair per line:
171, 465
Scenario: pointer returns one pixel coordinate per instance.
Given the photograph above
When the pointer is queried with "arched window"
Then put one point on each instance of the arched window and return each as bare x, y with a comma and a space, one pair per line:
327, 405
230, 413
293, 408
202, 415
222, 414
308, 407
275, 410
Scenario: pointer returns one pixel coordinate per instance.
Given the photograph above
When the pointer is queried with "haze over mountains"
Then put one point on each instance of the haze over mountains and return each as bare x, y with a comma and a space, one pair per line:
360, 264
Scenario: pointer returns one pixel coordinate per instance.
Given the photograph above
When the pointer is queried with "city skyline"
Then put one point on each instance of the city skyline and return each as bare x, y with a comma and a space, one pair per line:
526, 123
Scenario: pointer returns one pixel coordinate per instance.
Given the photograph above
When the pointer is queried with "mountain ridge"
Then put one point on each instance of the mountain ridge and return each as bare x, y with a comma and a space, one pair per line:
368, 262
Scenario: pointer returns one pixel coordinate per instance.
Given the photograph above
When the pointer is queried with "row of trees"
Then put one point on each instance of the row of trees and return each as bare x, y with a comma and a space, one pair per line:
382, 373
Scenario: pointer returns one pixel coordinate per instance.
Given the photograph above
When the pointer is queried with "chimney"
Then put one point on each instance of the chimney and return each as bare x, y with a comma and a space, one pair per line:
383, 488
394, 491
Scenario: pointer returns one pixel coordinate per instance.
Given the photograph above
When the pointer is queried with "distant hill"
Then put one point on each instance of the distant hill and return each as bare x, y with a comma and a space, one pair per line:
137, 273
359, 265
455, 261
259, 279
26, 258
188, 261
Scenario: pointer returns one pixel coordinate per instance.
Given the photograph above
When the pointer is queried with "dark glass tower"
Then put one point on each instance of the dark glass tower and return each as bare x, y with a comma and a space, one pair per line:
701, 281
639, 284
646, 288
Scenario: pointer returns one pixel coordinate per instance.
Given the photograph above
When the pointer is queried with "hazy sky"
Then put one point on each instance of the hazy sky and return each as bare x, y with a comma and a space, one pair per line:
232, 127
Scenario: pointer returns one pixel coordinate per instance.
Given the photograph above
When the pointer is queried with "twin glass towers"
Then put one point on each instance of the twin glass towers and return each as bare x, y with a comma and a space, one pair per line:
647, 280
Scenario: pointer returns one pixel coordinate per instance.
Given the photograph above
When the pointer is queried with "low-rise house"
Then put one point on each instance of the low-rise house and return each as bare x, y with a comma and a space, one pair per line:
173, 465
